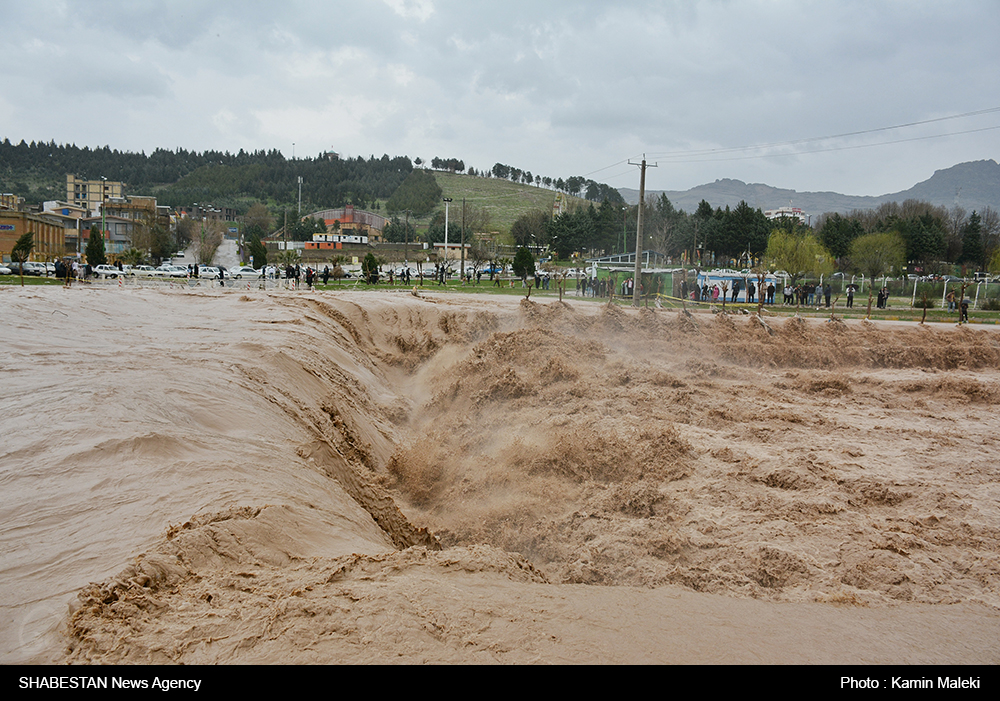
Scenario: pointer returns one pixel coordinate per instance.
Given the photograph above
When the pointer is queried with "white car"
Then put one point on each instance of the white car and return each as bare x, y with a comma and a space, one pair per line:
4, 270
108, 271
209, 272
241, 271
142, 271
171, 271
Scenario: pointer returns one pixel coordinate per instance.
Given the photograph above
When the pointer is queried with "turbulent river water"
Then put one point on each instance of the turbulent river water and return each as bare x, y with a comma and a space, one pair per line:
222, 476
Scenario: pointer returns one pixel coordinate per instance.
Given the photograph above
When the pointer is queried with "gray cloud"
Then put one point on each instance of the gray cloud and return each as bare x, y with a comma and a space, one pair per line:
558, 88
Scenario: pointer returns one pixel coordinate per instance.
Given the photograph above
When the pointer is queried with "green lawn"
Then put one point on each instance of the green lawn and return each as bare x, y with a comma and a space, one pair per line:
29, 280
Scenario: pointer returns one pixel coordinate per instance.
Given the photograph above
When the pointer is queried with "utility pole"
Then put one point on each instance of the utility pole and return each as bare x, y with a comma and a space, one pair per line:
637, 276
300, 196
447, 201
462, 273
406, 240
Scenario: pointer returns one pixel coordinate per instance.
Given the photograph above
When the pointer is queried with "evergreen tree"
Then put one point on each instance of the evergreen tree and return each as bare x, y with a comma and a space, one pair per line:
258, 252
95, 248
524, 263
397, 231
369, 266
972, 242
419, 193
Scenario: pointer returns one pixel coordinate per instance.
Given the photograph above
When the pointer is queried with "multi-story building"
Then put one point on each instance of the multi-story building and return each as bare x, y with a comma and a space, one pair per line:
348, 221
70, 217
208, 211
91, 193
790, 212
11, 201
49, 235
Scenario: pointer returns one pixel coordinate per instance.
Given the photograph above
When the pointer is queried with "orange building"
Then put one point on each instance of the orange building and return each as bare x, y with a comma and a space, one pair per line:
49, 237
352, 222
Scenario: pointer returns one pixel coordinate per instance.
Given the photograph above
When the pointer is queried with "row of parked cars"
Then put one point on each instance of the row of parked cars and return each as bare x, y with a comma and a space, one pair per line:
30, 268
134, 271
208, 272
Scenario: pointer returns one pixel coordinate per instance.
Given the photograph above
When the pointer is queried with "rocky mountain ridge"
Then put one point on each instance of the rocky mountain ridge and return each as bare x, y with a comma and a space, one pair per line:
974, 185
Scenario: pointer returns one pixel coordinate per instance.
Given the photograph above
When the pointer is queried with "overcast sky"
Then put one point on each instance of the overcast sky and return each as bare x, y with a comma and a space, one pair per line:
556, 88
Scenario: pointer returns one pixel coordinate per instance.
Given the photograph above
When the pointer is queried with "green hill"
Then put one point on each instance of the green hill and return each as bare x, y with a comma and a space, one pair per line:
504, 200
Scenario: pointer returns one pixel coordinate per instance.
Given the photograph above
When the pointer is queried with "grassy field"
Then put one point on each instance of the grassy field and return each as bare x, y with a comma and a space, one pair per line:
29, 280
505, 201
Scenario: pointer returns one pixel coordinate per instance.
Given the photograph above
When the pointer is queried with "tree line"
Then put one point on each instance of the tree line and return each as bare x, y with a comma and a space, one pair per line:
926, 238
37, 171
576, 186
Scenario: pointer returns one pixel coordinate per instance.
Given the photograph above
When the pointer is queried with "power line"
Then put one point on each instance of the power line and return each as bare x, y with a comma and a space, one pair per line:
795, 142
832, 148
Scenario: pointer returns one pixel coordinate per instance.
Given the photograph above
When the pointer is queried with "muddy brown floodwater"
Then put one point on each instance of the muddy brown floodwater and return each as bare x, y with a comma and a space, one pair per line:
250, 477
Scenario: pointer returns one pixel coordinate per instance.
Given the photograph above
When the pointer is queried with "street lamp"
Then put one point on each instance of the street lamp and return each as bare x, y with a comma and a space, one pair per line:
104, 189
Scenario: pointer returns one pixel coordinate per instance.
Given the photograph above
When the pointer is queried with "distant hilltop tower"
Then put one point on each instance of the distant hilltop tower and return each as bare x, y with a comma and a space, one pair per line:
559, 206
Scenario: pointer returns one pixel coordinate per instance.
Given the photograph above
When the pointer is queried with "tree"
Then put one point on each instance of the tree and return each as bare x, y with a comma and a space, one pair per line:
23, 247
995, 263
875, 255
837, 232
132, 256
570, 233
524, 263
477, 219
208, 240
972, 242
419, 193
799, 254
924, 236
259, 219
185, 233
991, 232
953, 236
398, 232
258, 252
151, 239
369, 266
288, 257
95, 248
529, 227
478, 255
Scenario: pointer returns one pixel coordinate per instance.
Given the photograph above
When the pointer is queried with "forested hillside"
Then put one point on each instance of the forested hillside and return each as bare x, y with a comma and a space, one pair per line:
37, 172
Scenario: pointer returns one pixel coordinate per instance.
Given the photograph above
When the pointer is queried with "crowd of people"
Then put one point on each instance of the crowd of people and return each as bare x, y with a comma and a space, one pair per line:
805, 294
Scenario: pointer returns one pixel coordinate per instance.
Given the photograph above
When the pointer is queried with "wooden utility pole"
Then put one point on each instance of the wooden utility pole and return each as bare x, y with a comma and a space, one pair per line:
462, 273
406, 240
637, 275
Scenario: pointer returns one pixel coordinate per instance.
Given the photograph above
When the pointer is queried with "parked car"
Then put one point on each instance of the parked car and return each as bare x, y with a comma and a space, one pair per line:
241, 271
171, 271
210, 272
30, 268
4, 270
108, 271
142, 271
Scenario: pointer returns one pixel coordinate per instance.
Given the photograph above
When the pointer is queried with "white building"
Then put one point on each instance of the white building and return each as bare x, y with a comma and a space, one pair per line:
791, 212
